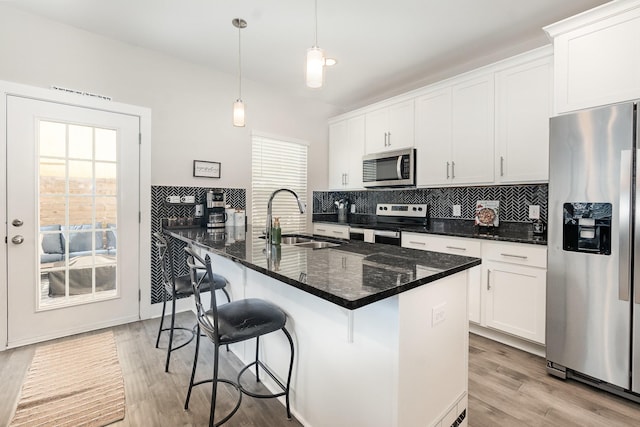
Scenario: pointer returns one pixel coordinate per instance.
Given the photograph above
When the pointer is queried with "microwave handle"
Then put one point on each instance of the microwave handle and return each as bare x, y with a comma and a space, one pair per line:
399, 167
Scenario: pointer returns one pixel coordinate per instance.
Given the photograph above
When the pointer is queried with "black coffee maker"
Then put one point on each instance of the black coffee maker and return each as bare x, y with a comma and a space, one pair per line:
215, 216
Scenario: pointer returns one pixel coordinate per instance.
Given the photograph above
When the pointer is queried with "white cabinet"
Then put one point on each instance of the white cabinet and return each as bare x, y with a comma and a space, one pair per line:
456, 246
346, 148
523, 108
472, 122
390, 128
454, 134
597, 56
514, 289
433, 138
331, 230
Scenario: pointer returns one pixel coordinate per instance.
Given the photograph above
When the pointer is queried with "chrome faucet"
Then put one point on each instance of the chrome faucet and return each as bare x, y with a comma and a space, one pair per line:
301, 206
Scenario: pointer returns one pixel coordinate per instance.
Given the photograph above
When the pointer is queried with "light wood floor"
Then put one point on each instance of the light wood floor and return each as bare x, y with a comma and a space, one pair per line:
507, 387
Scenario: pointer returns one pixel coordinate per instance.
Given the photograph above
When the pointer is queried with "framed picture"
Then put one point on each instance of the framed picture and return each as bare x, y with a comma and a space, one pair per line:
206, 169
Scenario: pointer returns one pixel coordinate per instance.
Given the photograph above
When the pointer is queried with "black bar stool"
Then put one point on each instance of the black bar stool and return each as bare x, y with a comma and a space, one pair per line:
230, 323
177, 287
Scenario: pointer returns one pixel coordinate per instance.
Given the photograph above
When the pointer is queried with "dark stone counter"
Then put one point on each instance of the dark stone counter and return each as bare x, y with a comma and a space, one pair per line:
351, 275
517, 232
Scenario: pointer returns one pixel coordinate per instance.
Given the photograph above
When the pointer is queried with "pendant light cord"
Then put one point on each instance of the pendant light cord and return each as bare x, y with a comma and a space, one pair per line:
239, 64
316, 15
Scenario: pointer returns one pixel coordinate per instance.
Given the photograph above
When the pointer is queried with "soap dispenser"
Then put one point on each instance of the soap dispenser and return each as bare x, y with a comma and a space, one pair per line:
276, 232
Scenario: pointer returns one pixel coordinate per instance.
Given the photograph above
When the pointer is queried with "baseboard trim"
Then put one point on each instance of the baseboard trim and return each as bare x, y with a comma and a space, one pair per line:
510, 340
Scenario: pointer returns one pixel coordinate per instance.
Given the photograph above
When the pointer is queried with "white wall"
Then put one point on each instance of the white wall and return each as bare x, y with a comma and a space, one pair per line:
191, 105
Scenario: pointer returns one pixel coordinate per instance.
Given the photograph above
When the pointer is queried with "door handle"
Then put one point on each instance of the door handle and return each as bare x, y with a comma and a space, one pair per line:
17, 239
17, 223
488, 280
447, 170
625, 218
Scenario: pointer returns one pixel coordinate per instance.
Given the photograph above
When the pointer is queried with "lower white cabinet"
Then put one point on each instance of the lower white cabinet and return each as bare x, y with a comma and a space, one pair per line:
507, 293
514, 286
331, 230
515, 299
456, 246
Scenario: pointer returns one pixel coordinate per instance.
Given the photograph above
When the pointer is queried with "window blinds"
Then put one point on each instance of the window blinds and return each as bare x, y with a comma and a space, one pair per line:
278, 164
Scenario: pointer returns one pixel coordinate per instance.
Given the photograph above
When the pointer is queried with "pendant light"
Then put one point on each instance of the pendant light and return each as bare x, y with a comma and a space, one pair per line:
238, 106
315, 59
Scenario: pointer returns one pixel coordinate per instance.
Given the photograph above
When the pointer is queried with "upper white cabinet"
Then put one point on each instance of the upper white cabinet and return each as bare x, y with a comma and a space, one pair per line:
390, 128
523, 108
434, 137
454, 134
597, 56
472, 138
346, 148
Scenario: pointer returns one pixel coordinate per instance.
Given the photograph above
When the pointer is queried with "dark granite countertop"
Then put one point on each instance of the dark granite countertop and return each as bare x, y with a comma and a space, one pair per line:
517, 232
351, 275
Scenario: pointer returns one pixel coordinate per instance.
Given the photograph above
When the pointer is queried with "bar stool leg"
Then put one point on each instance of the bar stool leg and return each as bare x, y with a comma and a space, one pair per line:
257, 354
193, 369
214, 385
164, 305
290, 371
173, 321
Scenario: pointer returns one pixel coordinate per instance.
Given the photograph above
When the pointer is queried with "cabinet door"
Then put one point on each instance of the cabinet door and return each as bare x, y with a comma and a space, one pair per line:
433, 137
514, 299
457, 246
355, 151
598, 63
401, 126
523, 108
377, 128
338, 154
331, 230
473, 131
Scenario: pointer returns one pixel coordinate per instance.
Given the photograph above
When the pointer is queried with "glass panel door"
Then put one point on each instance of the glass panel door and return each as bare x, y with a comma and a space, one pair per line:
78, 205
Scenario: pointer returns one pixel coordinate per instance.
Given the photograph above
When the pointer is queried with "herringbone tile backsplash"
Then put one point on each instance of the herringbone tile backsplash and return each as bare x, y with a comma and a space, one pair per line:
514, 200
235, 197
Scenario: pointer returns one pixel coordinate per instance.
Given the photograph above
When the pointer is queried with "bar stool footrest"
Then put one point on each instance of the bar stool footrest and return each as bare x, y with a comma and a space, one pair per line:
235, 408
268, 371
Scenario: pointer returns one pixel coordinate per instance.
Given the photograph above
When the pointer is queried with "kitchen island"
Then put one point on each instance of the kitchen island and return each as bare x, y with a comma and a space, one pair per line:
380, 331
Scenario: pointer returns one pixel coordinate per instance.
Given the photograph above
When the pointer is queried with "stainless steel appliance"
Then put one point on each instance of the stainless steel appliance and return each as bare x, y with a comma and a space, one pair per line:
391, 217
390, 169
215, 215
593, 290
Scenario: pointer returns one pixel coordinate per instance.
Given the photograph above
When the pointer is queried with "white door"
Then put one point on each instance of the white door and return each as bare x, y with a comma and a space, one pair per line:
72, 209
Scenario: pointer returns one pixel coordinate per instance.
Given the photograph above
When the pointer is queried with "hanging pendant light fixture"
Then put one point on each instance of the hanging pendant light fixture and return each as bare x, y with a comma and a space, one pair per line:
238, 106
315, 59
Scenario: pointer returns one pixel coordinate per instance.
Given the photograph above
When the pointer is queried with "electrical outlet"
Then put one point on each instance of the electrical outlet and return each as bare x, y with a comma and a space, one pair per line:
457, 210
534, 212
438, 314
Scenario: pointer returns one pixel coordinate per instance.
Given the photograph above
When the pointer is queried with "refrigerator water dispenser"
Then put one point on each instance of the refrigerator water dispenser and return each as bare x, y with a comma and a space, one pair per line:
587, 227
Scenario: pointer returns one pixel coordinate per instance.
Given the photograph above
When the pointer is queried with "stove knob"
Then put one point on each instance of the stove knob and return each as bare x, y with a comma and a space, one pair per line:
420, 209
414, 208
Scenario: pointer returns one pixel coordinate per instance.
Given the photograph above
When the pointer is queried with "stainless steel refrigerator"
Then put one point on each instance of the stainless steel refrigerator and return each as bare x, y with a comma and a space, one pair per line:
593, 290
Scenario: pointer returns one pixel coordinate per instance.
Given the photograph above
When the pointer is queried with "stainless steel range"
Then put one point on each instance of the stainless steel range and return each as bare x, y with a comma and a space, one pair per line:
390, 217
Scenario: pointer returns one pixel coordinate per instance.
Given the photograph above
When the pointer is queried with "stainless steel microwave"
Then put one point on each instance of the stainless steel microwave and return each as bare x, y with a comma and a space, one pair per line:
390, 169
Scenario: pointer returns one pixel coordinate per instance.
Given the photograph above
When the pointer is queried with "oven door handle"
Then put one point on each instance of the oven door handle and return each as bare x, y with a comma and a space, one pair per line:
387, 233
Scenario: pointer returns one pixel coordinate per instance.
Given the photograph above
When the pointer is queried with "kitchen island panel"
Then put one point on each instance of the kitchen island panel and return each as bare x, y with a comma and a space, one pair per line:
380, 365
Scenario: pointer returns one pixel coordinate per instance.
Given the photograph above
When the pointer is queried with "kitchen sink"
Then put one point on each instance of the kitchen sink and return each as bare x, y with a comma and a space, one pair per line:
294, 240
313, 244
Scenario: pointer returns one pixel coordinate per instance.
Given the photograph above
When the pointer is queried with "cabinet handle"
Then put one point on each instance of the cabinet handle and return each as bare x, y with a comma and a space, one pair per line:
385, 139
514, 256
321, 229
453, 170
389, 138
501, 166
417, 243
456, 247
346, 179
447, 170
488, 280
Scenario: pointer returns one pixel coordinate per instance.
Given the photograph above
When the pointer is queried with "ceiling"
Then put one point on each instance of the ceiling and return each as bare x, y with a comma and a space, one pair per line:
383, 47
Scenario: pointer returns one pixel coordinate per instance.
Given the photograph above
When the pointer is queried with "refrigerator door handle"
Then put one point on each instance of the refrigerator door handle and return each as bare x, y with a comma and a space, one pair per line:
636, 238
624, 278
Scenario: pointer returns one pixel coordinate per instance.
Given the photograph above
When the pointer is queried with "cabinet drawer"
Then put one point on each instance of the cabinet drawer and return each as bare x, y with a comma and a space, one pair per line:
456, 246
514, 253
330, 230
